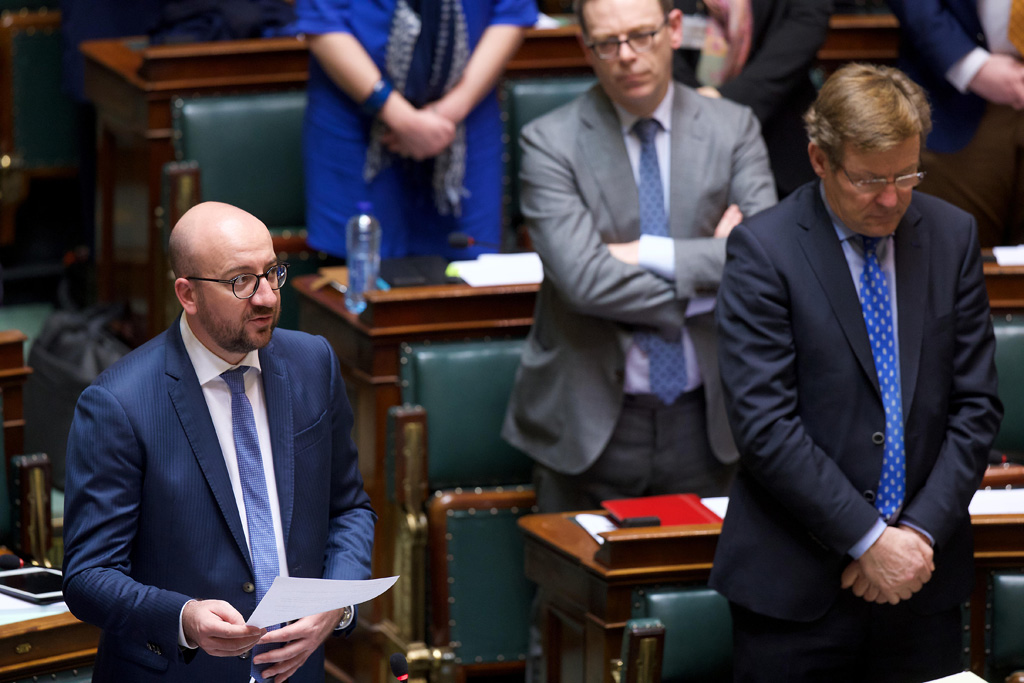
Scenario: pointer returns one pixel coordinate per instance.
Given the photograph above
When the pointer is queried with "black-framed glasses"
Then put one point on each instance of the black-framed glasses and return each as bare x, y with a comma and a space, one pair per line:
639, 42
876, 185
245, 285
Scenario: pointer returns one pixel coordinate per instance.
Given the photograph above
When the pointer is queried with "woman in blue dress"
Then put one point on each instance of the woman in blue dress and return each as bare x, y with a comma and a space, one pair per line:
403, 113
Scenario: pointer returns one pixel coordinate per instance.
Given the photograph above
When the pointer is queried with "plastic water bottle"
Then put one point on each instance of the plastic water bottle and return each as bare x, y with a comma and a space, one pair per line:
362, 243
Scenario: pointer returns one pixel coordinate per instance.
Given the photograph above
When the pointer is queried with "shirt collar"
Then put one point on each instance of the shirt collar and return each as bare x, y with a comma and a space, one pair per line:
208, 365
662, 114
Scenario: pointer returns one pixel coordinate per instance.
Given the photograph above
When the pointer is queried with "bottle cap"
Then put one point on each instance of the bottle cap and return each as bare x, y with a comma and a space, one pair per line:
364, 207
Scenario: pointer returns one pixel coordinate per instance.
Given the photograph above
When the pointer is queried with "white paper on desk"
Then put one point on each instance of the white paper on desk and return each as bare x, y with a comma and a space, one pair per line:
291, 598
717, 504
997, 502
596, 524
489, 270
1009, 256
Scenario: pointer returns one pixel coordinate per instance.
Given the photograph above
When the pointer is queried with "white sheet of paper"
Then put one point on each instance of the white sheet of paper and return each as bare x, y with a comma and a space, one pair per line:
501, 269
962, 677
717, 504
291, 598
595, 524
998, 502
1009, 256
14, 609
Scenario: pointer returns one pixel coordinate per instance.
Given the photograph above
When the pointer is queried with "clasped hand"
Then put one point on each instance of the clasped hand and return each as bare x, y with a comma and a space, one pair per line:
895, 567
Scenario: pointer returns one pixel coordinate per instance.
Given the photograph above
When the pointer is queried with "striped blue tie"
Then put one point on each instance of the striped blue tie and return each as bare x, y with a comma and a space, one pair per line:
262, 546
666, 357
877, 307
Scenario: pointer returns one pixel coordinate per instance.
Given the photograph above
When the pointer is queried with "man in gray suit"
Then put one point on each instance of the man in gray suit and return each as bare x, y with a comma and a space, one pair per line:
629, 192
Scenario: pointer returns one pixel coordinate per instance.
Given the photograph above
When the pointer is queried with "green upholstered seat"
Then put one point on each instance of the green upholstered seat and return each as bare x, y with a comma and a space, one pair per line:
1009, 331
698, 632
488, 593
1005, 620
465, 387
44, 118
524, 99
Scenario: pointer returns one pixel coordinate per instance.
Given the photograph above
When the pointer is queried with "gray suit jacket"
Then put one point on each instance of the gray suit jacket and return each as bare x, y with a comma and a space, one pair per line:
578, 195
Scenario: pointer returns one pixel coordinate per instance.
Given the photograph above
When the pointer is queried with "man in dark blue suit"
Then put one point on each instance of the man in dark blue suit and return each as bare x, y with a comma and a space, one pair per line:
969, 61
856, 354
168, 550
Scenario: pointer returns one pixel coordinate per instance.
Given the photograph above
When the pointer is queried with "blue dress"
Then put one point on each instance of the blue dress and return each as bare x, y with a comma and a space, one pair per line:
336, 135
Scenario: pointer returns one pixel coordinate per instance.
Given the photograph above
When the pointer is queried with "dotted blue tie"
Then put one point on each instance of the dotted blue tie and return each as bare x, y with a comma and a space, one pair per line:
667, 359
262, 546
877, 308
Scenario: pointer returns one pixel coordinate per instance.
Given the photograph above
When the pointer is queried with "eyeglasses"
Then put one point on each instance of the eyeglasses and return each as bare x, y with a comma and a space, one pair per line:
876, 185
641, 41
244, 286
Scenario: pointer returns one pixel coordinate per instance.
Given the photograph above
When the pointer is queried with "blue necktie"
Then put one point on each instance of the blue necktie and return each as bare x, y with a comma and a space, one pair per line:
262, 546
877, 308
667, 359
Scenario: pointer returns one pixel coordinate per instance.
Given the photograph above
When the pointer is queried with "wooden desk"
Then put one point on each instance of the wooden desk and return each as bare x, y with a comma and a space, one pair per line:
1005, 285
40, 646
590, 591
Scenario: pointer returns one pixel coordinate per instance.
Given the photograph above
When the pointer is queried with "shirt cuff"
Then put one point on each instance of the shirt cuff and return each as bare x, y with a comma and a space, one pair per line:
911, 525
658, 255
868, 539
182, 642
966, 68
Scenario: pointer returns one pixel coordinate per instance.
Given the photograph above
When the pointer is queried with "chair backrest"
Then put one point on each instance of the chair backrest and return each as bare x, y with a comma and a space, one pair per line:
523, 100
465, 387
249, 151
1004, 635
698, 632
1009, 331
5, 510
44, 119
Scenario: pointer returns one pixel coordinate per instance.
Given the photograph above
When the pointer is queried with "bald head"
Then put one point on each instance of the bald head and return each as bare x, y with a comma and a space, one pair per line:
207, 228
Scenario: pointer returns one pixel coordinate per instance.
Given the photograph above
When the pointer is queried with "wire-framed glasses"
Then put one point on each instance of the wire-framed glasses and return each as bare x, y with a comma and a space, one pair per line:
876, 185
641, 41
245, 285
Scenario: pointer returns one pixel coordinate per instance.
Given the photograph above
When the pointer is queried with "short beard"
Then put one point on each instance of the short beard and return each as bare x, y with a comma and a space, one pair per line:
236, 339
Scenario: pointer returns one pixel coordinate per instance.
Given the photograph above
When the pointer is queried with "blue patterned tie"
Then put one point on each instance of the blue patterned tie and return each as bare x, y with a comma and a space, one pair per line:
666, 358
877, 308
262, 546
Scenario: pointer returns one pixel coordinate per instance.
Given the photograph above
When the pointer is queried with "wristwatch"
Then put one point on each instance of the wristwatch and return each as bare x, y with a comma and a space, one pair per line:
347, 613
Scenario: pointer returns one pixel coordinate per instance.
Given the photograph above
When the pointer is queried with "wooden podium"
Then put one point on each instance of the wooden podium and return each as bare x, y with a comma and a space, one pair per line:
590, 587
48, 644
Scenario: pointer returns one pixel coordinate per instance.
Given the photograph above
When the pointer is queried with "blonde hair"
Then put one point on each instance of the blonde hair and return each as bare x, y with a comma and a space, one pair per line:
872, 107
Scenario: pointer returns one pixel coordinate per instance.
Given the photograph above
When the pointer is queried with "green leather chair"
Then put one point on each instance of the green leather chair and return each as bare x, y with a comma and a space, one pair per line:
698, 632
459, 491
1009, 331
1004, 634
245, 150
524, 99
643, 648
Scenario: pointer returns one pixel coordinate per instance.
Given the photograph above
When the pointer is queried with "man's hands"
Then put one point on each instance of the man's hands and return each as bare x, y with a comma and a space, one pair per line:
301, 638
1001, 81
895, 567
217, 628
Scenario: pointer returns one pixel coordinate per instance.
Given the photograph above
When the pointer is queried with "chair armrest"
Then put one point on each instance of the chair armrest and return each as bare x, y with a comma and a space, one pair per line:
643, 648
31, 477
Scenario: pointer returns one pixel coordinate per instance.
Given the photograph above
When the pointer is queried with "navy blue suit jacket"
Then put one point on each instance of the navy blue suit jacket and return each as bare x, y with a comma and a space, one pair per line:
935, 34
151, 520
803, 401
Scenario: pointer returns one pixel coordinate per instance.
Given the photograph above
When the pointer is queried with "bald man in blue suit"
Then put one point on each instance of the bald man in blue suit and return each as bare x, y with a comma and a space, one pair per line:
157, 543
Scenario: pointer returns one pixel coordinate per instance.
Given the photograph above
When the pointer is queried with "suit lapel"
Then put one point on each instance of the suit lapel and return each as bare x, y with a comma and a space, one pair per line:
601, 142
689, 135
190, 405
824, 253
277, 393
911, 292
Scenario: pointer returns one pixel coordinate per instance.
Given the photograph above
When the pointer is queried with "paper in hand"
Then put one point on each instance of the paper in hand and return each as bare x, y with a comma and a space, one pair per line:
291, 598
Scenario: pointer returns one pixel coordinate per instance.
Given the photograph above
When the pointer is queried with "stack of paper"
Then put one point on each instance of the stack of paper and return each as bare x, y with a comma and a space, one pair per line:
489, 270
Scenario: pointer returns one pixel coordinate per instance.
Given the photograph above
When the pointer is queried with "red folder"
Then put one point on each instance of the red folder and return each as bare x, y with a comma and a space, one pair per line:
671, 510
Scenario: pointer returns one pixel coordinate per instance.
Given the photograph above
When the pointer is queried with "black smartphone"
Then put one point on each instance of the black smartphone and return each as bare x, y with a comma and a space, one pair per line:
32, 584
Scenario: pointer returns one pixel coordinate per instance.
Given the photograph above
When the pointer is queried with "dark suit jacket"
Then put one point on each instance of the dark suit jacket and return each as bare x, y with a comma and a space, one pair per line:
151, 520
934, 34
803, 402
775, 81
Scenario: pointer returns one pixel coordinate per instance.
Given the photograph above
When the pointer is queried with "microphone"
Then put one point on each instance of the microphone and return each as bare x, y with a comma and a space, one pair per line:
400, 667
460, 240
8, 561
